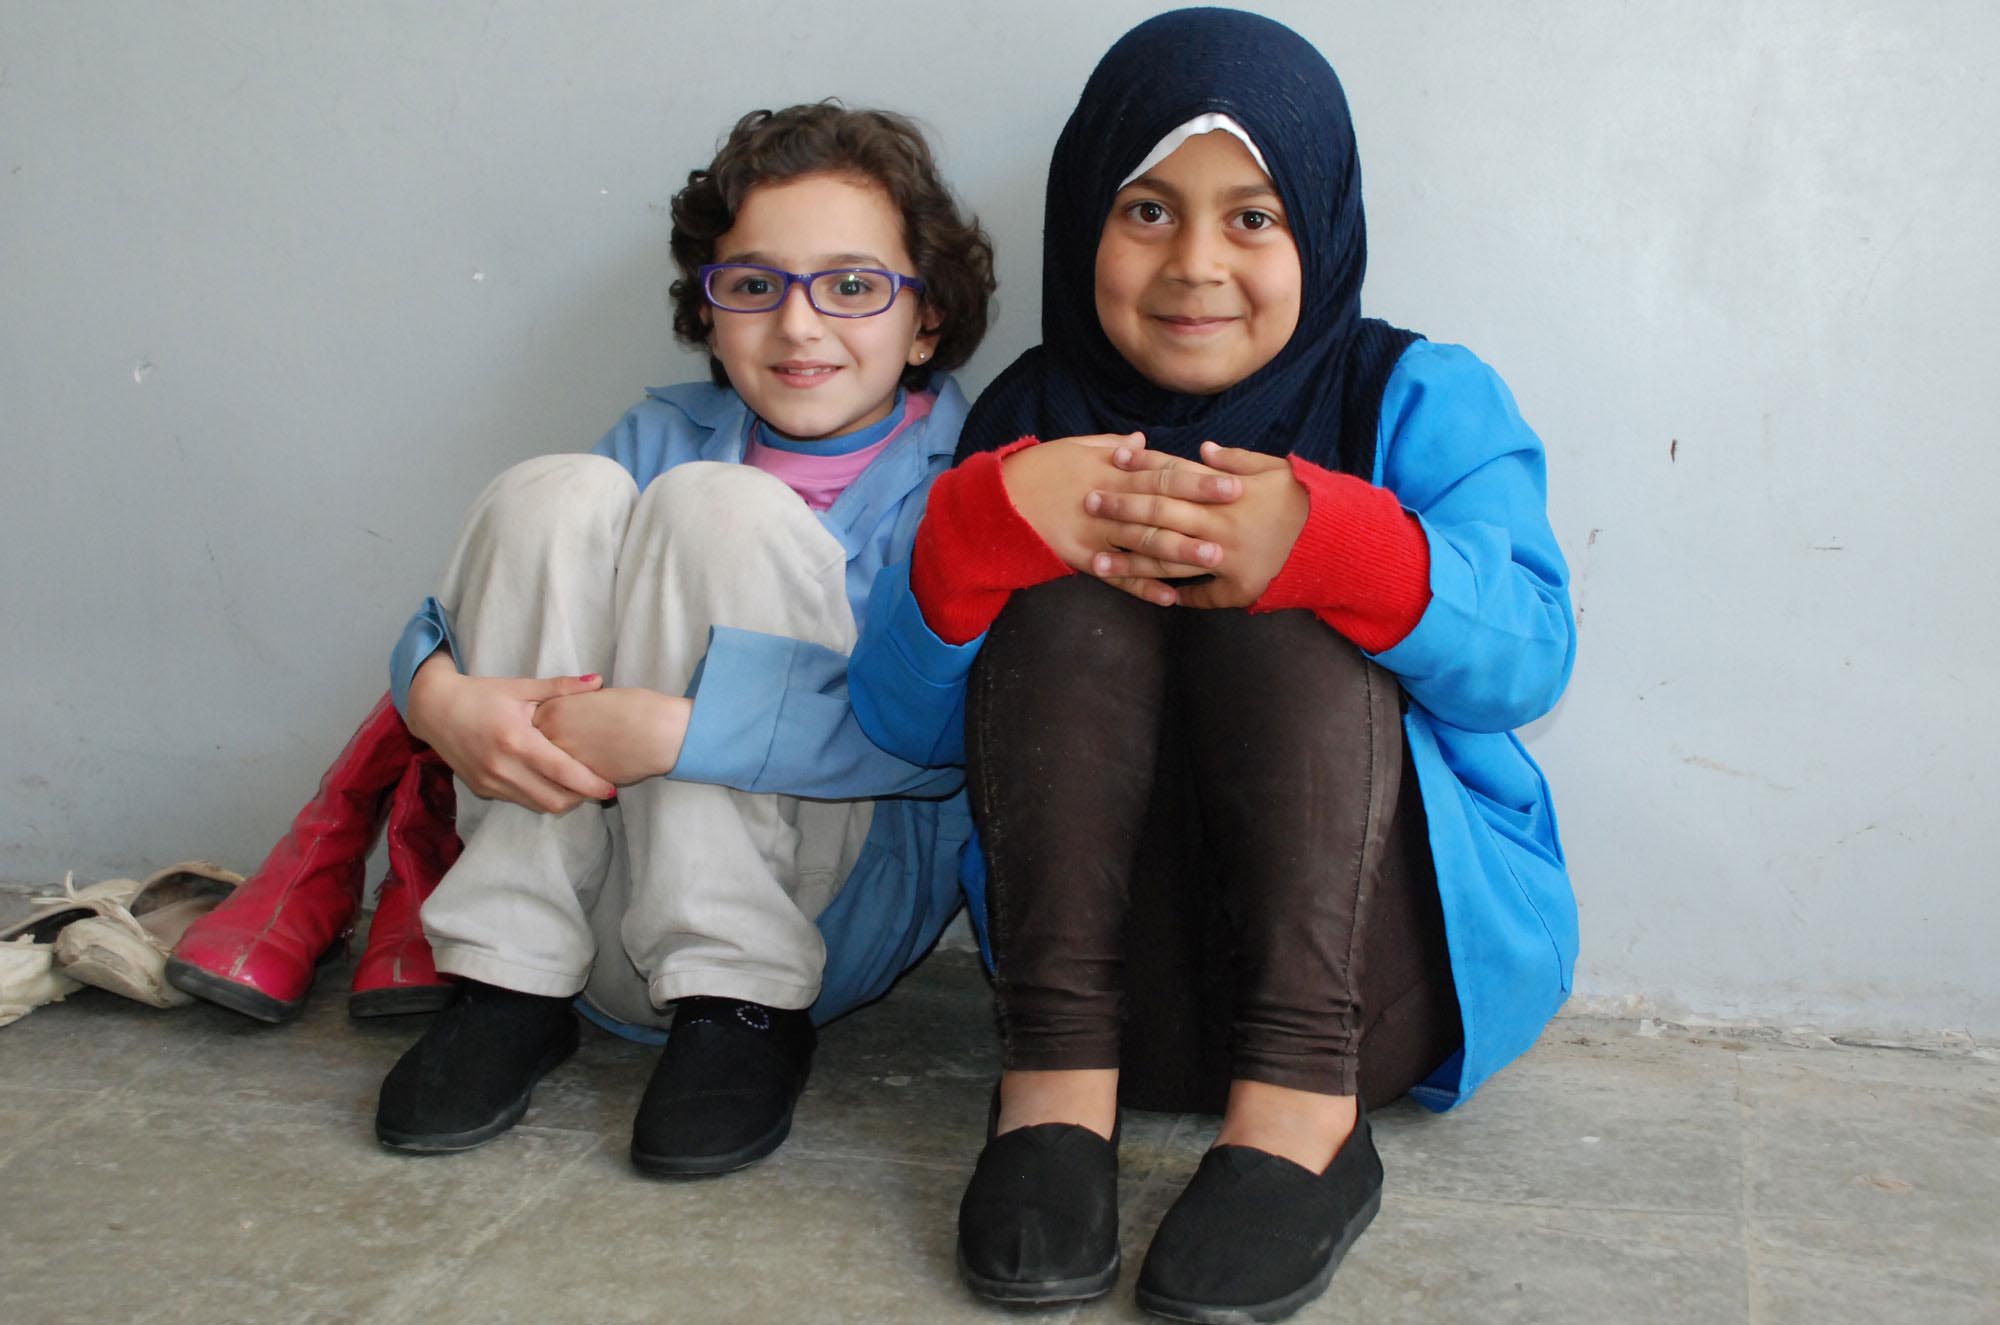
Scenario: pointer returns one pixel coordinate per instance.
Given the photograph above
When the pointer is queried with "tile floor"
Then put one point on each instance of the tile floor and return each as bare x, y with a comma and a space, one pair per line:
196, 1166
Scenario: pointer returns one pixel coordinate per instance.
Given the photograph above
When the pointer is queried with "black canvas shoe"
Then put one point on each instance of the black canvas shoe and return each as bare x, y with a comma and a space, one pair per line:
721, 1097
1255, 1237
1039, 1221
469, 1078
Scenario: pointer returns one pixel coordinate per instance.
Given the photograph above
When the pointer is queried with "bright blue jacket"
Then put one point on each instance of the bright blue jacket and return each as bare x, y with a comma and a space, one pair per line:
1492, 651
771, 714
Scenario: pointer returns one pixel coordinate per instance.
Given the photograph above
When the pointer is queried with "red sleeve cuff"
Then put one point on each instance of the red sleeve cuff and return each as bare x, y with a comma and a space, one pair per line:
973, 549
1362, 564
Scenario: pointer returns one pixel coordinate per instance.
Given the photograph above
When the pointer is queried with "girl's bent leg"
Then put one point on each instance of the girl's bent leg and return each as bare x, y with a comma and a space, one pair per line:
1062, 720
1178, 970
1062, 716
528, 588
725, 884
1297, 748
1409, 1004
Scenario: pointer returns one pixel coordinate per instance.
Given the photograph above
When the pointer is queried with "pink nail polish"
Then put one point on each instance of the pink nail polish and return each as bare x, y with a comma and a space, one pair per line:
588, 679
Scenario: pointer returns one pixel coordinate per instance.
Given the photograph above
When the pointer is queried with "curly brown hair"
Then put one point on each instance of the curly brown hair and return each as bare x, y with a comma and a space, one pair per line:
952, 253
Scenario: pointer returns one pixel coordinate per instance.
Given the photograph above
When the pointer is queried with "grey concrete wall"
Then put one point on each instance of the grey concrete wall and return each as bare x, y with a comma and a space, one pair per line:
282, 284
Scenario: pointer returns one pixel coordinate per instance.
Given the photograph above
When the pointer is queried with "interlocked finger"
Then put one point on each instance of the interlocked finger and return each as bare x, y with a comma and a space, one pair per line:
540, 793
1164, 544
529, 789
567, 775
1172, 476
1213, 593
1150, 508
1185, 481
552, 799
1128, 565
1152, 591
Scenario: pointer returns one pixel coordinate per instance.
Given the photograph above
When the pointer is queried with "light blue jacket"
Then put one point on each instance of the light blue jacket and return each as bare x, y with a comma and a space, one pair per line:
771, 714
1492, 651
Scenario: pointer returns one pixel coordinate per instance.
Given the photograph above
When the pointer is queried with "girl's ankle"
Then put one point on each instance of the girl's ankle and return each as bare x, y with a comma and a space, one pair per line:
1084, 1097
1305, 1127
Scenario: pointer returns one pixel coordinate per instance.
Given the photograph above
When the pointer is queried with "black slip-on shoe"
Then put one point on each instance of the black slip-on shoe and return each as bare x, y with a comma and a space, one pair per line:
721, 1096
469, 1077
1039, 1221
1255, 1237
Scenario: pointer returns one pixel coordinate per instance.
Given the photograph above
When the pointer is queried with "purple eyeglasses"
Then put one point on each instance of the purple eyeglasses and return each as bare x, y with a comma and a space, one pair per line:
740, 287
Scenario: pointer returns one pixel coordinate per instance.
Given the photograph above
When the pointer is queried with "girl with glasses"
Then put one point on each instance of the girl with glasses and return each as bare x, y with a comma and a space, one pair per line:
635, 664
1254, 833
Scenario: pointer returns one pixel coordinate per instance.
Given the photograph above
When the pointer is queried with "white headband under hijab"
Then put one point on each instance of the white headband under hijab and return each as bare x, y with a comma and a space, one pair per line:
1212, 122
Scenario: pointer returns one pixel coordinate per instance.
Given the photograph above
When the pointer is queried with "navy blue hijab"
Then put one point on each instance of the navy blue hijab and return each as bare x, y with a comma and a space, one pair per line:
1321, 396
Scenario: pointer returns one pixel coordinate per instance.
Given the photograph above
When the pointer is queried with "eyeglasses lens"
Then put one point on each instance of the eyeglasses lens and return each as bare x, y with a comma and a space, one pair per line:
745, 289
852, 293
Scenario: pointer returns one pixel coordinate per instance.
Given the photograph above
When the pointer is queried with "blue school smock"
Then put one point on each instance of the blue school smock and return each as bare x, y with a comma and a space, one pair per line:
771, 713
1491, 652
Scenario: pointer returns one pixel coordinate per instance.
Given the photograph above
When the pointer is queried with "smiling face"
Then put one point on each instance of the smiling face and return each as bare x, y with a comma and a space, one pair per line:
1198, 282
810, 376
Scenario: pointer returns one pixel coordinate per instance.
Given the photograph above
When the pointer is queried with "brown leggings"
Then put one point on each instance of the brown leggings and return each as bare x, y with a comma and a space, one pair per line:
1206, 853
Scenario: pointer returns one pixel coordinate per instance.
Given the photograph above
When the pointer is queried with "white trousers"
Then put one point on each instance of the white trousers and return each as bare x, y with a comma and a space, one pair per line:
565, 568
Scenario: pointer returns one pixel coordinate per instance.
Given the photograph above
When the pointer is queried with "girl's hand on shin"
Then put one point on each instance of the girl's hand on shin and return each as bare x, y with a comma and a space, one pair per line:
628, 734
1241, 539
484, 727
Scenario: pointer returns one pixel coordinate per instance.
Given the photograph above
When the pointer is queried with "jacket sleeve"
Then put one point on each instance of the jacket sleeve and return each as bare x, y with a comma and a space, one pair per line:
782, 715
908, 684
428, 631
1361, 562
1494, 647
973, 549
772, 714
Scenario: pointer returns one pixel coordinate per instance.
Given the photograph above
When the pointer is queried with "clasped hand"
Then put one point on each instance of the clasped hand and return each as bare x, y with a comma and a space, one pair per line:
1139, 519
544, 743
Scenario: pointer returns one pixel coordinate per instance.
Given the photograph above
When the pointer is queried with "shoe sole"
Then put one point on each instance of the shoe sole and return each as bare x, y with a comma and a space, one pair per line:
1277, 1308
212, 988
709, 1166
451, 1143
399, 1002
1041, 1292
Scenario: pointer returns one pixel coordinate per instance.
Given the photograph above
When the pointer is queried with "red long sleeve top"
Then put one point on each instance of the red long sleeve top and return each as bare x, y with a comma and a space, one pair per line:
1361, 563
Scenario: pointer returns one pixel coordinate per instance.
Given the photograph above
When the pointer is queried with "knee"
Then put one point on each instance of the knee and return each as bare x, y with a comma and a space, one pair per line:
1096, 629
739, 511
1291, 653
538, 500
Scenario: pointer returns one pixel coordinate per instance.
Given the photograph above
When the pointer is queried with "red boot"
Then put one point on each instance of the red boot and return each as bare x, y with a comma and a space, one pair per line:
395, 974
255, 953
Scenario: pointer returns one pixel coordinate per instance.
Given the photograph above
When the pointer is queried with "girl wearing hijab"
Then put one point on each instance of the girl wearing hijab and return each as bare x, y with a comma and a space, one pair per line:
1254, 833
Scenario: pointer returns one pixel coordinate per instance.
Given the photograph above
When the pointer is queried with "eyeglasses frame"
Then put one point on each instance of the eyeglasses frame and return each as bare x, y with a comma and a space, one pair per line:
897, 284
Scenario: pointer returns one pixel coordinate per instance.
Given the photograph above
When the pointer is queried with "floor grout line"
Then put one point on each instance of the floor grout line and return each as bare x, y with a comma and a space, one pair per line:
866, 1157
1587, 1207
